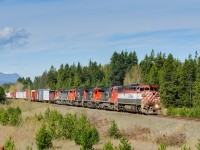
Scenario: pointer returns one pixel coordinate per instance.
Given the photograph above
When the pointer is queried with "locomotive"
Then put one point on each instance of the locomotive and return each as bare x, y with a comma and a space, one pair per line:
138, 98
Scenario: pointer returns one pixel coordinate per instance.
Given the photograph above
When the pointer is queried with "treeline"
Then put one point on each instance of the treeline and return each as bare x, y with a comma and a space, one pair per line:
179, 82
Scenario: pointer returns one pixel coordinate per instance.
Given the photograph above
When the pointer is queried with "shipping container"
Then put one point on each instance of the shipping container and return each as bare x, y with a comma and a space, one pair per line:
34, 94
40, 95
52, 96
45, 95
28, 95
13, 95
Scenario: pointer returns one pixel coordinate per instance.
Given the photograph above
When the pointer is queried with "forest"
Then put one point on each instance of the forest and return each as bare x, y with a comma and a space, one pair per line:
178, 81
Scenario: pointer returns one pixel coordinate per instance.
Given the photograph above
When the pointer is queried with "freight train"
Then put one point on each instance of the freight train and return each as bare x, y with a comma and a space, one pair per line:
138, 98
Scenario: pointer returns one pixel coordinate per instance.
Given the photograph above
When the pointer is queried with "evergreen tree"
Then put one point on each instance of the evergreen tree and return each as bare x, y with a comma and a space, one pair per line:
133, 76
196, 98
52, 78
43, 138
61, 77
168, 85
146, 65
108, 146
10, 144
125, 144
113, 131
187, 78
2, 95
44, 79
37, 82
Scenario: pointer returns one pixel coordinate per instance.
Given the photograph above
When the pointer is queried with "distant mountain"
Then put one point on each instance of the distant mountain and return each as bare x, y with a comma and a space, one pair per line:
8, 78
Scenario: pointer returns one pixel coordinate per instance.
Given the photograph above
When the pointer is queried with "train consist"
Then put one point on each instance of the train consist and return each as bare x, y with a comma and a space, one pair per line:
139, 98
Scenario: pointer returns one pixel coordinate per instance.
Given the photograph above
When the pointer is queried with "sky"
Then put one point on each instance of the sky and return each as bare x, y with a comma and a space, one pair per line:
35, 34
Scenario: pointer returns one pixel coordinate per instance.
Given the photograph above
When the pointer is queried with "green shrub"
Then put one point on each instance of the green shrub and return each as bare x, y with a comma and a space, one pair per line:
68, 125
84, 134
89, 137
14, 116
29, 148
4, 118
11, 116
43, 138
9, 145
2, 95
125, 144
162, 147
198, 145
183, 112
185, 148
108, 146
39, 117
171, 111
54, 124
113, 131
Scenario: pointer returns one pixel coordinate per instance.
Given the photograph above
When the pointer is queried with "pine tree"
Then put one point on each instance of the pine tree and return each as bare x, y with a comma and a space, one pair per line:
52, 78
168, 82
2, 95
10, 144
108, 146
146, 65
187, 78
43, 138
196, 98
125, 144
61, 77
113, 131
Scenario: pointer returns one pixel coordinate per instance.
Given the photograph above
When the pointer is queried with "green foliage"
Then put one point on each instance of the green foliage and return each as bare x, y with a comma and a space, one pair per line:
10, 144
11, 116
185, 148
113, 131
125, 144
120, 63
52, 78
2, 95
108, 146
168, 82
162, 147
68, 125
29, 148
198, 145
184, 112
43, 138
196, 86
84, 134
54, 124
171, 111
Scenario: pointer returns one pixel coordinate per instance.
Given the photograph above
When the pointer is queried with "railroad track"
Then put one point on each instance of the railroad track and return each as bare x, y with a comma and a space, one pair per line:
179, 118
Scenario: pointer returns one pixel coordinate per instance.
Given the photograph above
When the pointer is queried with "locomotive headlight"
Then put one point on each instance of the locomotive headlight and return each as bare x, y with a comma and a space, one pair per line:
156, 106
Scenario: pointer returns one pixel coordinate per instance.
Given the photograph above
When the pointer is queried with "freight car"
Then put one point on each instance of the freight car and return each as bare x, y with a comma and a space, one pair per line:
139, 98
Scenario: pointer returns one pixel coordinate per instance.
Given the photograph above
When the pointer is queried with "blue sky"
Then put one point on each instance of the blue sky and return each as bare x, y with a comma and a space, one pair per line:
35, 34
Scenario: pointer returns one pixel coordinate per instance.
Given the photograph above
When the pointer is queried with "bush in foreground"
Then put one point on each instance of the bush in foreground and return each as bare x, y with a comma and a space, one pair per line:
125, 144
84, 134
9, 145
2, 95
113, 131
11, 116
108, 146
162, 147
43, 138
198, 145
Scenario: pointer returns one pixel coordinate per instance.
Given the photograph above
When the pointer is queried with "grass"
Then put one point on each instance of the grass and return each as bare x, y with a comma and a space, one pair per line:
144, 132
